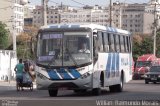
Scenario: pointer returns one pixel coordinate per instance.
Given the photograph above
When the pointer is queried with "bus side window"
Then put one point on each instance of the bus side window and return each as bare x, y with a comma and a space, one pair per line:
109, 42
127, 43
100, 43
117, 43
105, 40
122, 43
112, 43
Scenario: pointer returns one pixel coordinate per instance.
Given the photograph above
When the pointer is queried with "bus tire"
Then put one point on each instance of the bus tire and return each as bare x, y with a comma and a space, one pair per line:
53, 93
96, 91
119, 87
112, 88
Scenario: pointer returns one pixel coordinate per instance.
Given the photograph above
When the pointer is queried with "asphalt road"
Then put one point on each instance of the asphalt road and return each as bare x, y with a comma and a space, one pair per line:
135, 91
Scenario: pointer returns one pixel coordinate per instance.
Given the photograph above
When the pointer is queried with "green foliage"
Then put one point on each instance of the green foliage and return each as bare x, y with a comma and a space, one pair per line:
24, 42
145, 45
4, 35
158, 44
23, 51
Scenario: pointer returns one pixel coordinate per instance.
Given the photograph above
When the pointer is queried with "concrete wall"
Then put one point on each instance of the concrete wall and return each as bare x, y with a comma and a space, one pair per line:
8, 61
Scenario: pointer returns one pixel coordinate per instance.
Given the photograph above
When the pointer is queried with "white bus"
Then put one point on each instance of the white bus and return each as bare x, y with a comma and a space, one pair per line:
62, 64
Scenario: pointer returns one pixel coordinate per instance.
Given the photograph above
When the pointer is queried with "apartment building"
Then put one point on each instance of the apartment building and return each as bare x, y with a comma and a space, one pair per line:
130, 17
95, 15
12, 14
136, 18
53, 16
28, 14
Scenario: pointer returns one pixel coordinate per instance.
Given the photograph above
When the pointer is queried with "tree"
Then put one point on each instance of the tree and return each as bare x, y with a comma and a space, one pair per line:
142, 44
4, 36
158, 44
25, 42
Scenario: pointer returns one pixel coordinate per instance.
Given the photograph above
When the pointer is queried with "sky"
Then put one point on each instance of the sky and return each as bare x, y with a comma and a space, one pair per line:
86, 2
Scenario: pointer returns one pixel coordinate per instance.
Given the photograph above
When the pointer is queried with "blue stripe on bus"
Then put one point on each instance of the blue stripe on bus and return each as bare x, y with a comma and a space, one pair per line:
75, 73
117, 65
64, 74
53, 75
112, 68
108, 66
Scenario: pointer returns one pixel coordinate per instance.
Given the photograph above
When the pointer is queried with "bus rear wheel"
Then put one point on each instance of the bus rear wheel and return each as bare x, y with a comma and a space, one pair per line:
96, 91
53, 93
118, 87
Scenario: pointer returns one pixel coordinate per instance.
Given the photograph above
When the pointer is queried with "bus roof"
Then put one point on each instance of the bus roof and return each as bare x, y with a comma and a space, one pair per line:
92, 26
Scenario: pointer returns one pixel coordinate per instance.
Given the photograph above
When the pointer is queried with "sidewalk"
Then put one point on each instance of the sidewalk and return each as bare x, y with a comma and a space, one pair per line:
12, 83
5, 83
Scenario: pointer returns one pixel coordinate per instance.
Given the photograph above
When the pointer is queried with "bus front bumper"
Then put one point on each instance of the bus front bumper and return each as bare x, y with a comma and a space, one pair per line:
80, 83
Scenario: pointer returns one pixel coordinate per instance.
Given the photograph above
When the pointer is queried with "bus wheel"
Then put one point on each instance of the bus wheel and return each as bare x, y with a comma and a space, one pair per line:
96, 91
119, 87
112, 88
53, 93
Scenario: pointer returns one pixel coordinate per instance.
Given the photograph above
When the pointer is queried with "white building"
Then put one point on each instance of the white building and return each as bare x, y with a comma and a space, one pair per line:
53, 16
65, 14
133, 17
12, 14
95, 15
152, 8
28, 11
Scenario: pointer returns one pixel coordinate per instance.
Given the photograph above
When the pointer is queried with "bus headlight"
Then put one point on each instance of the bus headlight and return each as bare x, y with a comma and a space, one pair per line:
41, 76
158, 76
85, 75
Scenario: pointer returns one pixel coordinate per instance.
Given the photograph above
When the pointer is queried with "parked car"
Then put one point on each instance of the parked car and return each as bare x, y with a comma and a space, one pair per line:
153, 75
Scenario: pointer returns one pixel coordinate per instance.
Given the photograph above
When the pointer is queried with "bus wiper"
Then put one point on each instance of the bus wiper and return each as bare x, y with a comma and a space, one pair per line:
74, 61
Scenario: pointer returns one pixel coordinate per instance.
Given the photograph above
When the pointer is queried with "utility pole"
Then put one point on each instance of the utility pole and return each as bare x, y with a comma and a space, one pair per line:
44, 12
120, 17
110, 20
155, 29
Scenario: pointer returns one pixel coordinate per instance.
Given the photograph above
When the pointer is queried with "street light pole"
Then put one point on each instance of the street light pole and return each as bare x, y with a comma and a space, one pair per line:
110, 20
44, 12
155, 29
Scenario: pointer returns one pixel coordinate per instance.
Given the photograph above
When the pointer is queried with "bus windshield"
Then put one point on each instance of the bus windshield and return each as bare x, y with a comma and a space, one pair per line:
143, 63
64, 49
